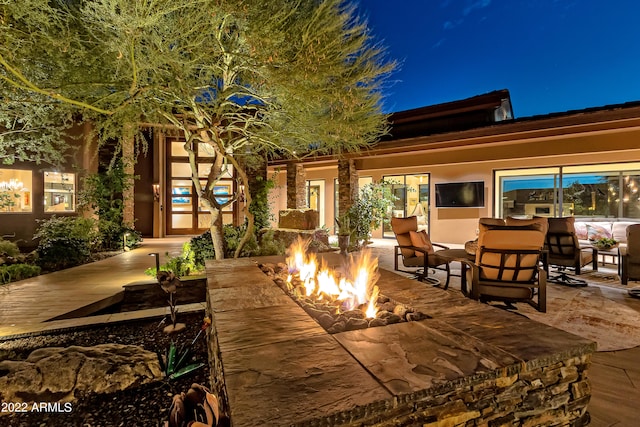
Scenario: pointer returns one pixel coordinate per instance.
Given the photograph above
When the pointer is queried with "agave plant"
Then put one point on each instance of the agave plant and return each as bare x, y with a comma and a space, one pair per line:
176, 361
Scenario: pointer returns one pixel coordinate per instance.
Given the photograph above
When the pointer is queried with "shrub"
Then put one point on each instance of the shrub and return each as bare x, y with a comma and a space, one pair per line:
112, 236
66, 241
15, 272
269, 245
181, 265
8, 248
202, 247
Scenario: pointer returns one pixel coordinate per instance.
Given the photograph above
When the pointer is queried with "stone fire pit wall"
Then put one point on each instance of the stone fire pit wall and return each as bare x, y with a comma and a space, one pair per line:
470, 365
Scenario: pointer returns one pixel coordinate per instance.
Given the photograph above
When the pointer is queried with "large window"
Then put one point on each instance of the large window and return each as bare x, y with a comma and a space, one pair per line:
15, 191
602, 191
59, 192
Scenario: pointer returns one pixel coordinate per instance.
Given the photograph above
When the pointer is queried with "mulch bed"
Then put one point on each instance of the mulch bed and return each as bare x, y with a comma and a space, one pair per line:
145, 406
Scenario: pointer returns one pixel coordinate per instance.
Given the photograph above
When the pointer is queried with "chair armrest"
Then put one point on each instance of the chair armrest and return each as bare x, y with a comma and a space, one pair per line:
440, 246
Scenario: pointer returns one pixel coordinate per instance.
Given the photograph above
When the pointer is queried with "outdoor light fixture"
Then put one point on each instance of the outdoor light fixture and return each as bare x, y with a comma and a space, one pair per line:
156, 192
124, 238
157, 256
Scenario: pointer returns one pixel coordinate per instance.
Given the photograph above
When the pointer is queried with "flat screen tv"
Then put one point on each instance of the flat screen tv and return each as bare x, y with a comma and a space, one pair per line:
460, 194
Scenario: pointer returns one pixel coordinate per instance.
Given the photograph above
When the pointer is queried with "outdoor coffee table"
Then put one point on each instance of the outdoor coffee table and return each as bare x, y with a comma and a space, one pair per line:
461, 256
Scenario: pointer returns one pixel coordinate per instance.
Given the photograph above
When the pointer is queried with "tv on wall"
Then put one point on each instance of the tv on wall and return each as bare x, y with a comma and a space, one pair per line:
460, 194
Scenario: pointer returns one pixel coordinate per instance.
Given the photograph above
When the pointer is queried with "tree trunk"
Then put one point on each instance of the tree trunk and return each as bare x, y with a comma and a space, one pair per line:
250, 218
217, 233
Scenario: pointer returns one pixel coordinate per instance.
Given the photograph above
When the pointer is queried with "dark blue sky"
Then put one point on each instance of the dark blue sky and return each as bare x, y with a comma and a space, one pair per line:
552, 55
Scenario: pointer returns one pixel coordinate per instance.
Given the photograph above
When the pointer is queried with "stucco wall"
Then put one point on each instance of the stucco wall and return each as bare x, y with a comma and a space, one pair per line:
450, 225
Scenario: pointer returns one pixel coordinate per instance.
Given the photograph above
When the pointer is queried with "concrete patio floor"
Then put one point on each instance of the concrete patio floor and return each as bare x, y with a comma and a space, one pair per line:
26, 306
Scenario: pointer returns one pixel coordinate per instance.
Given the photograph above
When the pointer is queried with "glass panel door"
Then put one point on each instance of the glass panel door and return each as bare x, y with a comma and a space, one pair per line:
186, 214
412, 199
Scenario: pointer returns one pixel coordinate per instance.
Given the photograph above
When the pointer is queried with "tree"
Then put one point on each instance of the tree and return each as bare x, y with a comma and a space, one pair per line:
246, 78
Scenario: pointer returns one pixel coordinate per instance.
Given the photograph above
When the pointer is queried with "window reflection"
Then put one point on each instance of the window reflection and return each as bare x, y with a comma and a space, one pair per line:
602, 191
59, 192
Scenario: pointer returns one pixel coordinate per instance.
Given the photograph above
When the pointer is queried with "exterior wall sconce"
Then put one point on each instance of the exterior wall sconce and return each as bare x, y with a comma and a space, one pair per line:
156, 192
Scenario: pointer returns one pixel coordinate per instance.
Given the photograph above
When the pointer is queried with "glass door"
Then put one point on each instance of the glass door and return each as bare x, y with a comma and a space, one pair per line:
412, 199
186, 214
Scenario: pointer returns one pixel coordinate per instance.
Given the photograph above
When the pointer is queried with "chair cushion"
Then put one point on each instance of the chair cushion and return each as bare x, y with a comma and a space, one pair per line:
401, 228
500, 291
404, 225
562, 225
597, 231
491, 266
491, 221
420, 239
539, 221
485, 223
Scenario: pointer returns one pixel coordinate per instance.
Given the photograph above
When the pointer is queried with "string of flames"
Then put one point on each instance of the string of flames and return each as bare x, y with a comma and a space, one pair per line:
354, 288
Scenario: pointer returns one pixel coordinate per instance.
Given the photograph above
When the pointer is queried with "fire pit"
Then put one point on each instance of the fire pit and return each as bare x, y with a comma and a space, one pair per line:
468, 364
339, 299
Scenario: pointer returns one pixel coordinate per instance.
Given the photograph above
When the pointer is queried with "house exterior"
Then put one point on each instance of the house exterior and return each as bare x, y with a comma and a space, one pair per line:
584, 163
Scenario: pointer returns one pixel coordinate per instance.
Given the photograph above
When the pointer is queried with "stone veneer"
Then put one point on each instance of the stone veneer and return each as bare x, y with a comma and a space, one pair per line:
470, 365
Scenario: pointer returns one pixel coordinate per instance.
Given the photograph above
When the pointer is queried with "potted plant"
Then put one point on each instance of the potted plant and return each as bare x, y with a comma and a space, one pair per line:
605, 244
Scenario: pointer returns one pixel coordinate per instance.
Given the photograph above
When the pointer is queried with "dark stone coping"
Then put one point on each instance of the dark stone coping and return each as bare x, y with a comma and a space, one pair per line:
282, 368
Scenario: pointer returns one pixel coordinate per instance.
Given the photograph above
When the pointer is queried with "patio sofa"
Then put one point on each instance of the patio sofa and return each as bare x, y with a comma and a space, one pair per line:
588, 230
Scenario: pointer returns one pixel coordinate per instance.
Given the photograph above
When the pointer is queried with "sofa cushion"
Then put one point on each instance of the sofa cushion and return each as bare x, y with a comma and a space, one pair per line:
581, 230
598, 231
619, 230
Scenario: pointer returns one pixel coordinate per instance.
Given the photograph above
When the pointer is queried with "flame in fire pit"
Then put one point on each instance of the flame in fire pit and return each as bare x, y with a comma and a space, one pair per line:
353, 287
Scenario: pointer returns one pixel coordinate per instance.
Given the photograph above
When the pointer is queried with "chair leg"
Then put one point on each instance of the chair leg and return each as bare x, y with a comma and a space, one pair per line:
562, 278
448, 269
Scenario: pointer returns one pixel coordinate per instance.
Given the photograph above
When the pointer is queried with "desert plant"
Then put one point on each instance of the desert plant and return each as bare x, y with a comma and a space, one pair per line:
175, 362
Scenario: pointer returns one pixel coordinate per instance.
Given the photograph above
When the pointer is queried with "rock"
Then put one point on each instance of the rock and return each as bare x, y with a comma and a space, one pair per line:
299, 219
56, 373
179, 327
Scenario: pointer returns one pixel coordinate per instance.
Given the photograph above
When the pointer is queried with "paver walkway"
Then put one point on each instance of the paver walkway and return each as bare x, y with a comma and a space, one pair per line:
25, 306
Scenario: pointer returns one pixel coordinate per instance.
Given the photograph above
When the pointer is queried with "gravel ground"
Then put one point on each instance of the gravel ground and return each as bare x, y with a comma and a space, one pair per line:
145, 406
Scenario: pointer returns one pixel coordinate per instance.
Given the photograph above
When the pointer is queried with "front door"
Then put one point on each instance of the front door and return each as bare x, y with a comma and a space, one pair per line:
185, 214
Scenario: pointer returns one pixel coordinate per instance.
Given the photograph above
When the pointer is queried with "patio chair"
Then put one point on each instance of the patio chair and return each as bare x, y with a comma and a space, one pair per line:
564, 252
630, 255
417, 251
507, 267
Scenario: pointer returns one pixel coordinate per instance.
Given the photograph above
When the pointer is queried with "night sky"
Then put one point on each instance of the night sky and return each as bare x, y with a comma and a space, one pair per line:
552, 55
